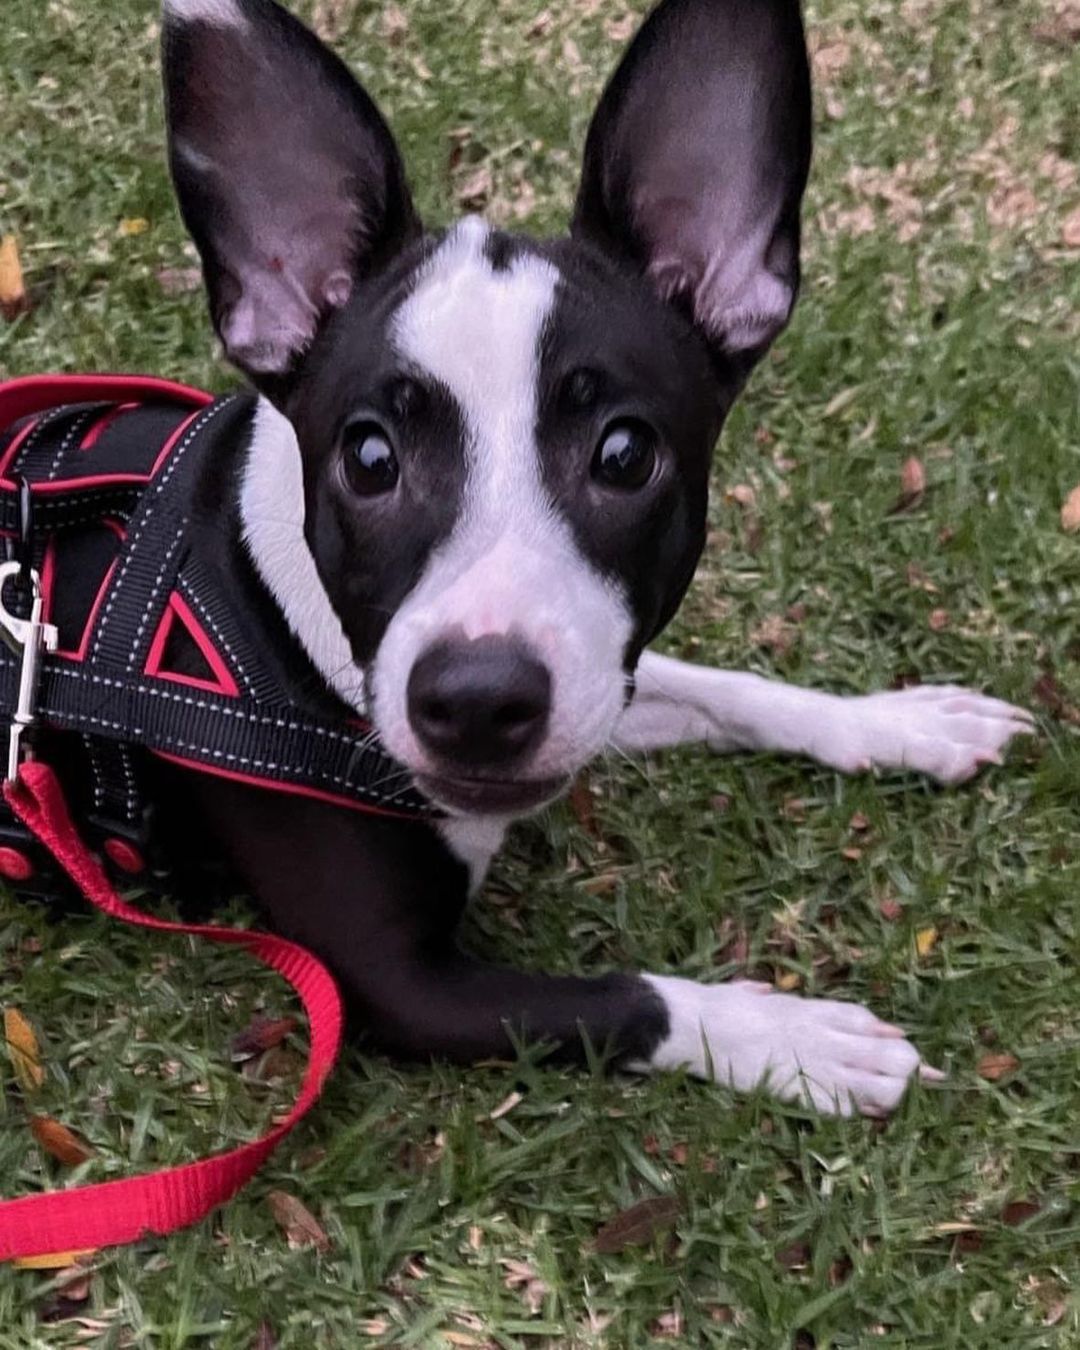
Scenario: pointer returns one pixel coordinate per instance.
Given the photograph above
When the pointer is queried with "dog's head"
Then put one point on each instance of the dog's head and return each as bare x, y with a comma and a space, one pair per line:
478, 481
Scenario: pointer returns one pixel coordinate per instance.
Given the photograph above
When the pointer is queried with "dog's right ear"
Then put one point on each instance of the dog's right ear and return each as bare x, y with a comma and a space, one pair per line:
288, 178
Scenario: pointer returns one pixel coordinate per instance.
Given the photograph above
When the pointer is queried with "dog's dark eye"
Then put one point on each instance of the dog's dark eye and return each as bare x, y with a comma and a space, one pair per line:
370, 464
626, 456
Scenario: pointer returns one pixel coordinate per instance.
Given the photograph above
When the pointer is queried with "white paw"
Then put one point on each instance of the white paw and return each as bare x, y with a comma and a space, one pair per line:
937, 729
838, 1057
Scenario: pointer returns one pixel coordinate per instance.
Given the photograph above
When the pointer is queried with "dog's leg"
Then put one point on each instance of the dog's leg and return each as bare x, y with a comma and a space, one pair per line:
380, 900
940, 730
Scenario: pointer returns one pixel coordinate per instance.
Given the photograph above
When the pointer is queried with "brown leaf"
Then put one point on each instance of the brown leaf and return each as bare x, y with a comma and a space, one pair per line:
301, 1227
1070, 511
22, 1048
261, 1033
939, 620
583, 805
743, 494
926, 940
473, 191
638, 1224
1062, 28
1017, 1212
795, 1256
774, 633
178, 280
993, 1067
890, 909
1048, 691
912, 486
394, 24
1070, 230
265, 1338
60, 1142
66, 1301
620, 30
14, 299
272, 1066
859, 823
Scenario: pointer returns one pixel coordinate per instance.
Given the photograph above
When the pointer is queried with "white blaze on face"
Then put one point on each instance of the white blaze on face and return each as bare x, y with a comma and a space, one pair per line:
511, 565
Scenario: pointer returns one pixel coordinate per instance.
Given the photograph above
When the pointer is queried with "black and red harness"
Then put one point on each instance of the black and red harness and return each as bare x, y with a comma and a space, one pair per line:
136, 630
100, 484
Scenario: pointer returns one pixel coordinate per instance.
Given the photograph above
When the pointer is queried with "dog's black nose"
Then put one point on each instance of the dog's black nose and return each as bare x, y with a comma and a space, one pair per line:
480, 702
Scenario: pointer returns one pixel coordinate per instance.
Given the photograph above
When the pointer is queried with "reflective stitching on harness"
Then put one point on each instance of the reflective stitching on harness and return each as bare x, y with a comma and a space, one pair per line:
65, 445
157, 488
208, 619
45, 420
224, 756
364, 743
149, 610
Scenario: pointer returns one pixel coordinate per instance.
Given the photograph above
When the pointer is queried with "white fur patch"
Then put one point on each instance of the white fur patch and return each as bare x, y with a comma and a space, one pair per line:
837, 1056
511, 565
272, 516
224, 13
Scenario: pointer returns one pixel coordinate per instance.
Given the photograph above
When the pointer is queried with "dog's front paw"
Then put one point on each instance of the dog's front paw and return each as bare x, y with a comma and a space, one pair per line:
838, 1057
937, 729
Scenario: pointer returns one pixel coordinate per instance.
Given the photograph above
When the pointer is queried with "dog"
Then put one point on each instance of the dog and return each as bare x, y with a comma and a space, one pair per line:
472, 491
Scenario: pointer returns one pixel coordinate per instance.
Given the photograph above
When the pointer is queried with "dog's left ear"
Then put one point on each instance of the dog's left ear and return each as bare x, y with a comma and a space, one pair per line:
696, 161
288, 178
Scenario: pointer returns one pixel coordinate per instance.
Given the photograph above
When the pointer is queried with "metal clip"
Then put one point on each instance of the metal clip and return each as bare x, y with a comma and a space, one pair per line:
30, 637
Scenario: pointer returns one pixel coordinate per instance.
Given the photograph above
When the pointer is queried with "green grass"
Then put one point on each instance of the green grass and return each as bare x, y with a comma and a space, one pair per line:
940, 318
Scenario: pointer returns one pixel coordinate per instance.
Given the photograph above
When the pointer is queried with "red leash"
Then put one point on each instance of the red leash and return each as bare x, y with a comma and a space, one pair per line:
123, 1211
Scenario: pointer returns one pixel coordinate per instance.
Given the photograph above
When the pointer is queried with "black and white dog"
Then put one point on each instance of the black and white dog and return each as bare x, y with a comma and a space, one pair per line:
476, 491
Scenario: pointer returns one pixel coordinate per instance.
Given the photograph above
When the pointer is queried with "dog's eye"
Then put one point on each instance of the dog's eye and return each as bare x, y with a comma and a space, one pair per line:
370, 464
626, 456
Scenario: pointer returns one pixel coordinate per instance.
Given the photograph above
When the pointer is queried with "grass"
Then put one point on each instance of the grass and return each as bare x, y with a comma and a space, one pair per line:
940, 319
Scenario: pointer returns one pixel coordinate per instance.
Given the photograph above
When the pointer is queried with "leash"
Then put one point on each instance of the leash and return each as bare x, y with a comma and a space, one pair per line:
122, 1211
114, 1212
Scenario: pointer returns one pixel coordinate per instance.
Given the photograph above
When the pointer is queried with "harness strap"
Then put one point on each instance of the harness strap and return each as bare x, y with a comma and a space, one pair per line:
234, 737
115, 1212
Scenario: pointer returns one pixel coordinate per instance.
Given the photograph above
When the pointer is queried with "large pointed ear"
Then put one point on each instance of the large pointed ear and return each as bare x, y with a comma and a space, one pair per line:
288, 178
696, 161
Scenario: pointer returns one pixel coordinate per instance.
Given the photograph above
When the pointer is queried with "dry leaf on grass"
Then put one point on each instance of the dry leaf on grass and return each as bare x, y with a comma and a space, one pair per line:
59, 1142
14, 299
637, 1225
301, 1227
775, 634
583, 805
912, 486
131, 226
178, 280
1019, 1211
261, 1033
1062, 27
1070, 512
1070, 230
993, 1067
265, 1338
939, 620
53, 1260
22, 1048
521, 1276
926, 940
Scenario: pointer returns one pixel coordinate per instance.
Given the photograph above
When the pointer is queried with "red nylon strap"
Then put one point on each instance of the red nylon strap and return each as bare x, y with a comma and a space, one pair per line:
123, 1211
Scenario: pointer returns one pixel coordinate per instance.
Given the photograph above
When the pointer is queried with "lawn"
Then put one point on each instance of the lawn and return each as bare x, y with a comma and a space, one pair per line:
940, 321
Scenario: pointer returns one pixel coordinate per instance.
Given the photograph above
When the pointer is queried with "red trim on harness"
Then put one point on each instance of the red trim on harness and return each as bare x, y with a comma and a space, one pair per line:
295, 789
177, 611
113, 1212
16, 445
39, 393
102, 425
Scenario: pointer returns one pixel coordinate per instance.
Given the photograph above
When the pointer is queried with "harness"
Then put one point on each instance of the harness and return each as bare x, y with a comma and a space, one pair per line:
112, 490
137, 630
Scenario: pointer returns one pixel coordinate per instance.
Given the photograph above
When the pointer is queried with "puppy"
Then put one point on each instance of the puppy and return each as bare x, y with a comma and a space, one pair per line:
473, 491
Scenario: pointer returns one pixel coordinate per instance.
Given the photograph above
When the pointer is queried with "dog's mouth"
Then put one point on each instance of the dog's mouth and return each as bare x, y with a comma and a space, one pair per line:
490, 796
